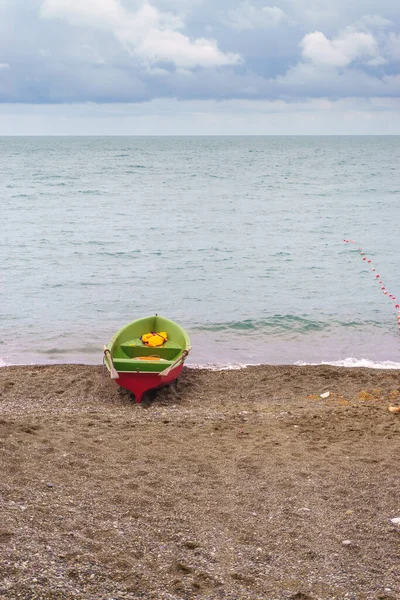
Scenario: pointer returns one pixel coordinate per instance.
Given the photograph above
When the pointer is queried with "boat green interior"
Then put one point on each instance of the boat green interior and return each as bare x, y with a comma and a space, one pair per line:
126, 345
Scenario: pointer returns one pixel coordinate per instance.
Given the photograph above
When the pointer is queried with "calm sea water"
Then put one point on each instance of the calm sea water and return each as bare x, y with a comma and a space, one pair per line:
239, 239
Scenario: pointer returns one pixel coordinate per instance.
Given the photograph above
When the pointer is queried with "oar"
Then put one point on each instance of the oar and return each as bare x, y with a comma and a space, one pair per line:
113, 372
176, 363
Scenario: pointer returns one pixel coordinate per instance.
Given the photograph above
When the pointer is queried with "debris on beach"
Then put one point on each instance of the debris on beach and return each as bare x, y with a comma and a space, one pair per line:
394, 409
325, 395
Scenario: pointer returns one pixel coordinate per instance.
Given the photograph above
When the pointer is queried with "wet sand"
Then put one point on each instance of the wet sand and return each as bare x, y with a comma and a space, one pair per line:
233, 485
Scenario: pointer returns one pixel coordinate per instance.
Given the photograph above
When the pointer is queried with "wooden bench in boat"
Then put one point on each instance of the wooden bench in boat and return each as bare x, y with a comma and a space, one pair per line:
135, 348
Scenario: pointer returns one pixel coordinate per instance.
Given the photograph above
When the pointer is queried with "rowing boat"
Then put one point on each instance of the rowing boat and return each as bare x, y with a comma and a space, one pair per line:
138, 367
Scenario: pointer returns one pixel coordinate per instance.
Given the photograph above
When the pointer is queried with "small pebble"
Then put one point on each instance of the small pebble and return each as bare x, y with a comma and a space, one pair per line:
50, 485
347, 543
396, 521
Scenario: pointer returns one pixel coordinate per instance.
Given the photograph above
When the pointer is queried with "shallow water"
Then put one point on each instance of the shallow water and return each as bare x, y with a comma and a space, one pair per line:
240, 240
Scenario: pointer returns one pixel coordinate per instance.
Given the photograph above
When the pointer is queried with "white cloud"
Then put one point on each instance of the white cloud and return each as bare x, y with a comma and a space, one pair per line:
4, 66
342, 50
173, 46
146, 33
336, 66
247, 16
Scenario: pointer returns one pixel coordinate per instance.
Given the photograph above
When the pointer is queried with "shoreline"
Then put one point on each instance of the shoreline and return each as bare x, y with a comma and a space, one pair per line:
228, 484
347, 363
345, 347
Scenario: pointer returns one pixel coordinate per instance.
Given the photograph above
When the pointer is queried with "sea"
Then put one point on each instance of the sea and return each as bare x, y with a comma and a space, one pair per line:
238, 239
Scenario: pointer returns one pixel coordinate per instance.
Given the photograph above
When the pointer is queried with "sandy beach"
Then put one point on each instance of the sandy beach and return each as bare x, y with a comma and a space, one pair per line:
233, 484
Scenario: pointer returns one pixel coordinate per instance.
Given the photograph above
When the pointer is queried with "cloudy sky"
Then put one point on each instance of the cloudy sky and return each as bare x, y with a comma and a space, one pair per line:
199, 66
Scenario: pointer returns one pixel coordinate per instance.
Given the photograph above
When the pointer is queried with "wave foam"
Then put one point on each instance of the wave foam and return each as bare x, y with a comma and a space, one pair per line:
355, 362
3, 363
217, 367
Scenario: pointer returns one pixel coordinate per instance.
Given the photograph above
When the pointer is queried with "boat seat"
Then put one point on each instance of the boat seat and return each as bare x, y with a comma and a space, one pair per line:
127, 365
134, 348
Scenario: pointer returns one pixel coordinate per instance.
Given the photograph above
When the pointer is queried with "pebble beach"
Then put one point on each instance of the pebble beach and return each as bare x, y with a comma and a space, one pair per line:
241, 484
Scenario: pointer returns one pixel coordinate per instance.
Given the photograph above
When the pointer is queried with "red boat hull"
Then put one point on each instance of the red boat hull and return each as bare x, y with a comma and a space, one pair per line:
140, 383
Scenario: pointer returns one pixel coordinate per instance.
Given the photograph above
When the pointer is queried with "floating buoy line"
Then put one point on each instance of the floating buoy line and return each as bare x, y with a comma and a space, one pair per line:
378, 278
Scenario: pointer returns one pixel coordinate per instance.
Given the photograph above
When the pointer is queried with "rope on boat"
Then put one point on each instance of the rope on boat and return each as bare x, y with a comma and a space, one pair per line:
378, 278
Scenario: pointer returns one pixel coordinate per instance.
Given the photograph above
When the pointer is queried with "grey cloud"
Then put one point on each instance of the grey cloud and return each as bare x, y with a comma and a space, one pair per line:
56, 60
